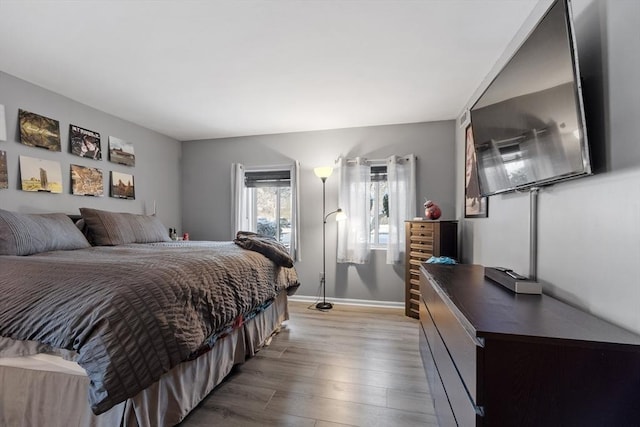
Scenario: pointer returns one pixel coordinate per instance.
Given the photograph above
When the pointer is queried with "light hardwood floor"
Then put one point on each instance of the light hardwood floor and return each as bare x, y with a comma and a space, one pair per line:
355, 366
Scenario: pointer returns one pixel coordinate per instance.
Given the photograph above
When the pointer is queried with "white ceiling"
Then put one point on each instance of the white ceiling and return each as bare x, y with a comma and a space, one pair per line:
211, 69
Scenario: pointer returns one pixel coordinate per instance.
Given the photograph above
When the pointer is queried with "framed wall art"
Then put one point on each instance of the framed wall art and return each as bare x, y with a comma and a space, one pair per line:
475, 206
86, 181
85, 143
122, 186
4, 175
40, 175
3, 124
121, 151
39, 131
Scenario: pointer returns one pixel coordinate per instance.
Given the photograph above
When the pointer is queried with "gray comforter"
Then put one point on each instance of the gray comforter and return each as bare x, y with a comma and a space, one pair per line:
132, 312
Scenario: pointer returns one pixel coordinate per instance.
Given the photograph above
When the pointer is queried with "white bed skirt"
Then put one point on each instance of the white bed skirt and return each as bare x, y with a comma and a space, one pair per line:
46, 390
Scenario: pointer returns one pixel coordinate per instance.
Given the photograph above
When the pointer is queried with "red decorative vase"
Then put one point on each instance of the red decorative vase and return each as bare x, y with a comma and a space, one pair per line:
431, 210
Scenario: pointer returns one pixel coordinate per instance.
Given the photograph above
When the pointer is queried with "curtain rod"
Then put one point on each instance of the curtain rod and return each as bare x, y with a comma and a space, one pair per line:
405, 157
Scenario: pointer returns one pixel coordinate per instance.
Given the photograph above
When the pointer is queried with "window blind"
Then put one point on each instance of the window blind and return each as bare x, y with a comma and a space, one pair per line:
378, 173
272, 178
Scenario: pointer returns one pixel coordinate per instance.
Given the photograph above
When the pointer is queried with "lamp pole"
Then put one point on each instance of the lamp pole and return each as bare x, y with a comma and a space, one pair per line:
323, 173
324, 305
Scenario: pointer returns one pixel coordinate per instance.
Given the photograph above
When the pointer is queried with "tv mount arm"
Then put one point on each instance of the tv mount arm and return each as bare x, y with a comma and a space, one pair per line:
533, 233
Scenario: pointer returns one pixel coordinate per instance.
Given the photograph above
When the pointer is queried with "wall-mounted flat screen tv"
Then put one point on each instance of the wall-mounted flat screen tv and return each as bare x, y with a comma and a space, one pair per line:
528, 125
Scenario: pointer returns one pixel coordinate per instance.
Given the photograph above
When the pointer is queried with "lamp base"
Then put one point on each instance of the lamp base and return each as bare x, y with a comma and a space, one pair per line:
324, 306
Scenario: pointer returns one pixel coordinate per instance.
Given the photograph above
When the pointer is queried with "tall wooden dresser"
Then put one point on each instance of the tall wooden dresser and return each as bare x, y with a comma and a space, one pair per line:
424, 239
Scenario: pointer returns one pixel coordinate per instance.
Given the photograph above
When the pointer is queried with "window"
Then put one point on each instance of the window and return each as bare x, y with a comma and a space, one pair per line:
270, 196
377, 197
265, 202
378, 207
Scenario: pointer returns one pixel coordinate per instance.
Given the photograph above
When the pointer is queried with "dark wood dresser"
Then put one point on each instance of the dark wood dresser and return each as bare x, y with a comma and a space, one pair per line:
424, 239
495, 358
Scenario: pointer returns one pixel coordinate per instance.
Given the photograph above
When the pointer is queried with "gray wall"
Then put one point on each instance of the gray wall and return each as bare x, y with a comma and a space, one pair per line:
589, 229
206, 192
156, 172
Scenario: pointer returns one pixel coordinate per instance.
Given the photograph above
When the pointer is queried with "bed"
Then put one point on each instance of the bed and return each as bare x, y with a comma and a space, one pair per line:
115, 325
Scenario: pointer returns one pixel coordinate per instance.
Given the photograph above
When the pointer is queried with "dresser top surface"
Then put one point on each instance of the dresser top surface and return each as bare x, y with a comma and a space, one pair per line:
432, 220
492, 309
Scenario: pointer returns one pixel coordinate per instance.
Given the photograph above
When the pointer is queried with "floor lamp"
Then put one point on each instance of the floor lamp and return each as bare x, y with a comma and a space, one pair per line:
323, 173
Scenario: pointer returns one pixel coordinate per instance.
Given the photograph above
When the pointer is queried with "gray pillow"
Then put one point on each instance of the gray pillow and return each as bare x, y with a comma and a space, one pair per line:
119, 228
26, 234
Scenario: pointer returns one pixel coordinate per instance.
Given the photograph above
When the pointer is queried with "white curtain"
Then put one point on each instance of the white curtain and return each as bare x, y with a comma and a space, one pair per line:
401, 179
295, 211
239, 217
353, 198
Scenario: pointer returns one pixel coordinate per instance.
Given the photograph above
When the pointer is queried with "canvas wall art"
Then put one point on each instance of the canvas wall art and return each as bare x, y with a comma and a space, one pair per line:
86, 181
40, 175
39, 131
122, 186
85, 143
121, 151
475, 206
4, 175
3, 124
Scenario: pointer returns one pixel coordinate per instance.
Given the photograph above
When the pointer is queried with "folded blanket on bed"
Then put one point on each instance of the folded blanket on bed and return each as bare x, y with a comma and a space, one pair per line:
265, 245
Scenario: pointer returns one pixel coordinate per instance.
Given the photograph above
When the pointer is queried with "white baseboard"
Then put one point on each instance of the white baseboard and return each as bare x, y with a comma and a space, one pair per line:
349, 301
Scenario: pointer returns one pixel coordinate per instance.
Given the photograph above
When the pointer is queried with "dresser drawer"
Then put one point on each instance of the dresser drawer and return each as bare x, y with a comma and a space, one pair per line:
459, 341
436, 388
458, 400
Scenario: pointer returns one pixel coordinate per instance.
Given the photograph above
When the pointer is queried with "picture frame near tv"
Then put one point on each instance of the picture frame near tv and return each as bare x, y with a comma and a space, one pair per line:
475, 205
529, 125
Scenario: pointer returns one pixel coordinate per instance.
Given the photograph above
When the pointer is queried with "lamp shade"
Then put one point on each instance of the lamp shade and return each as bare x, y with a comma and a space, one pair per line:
323, 171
